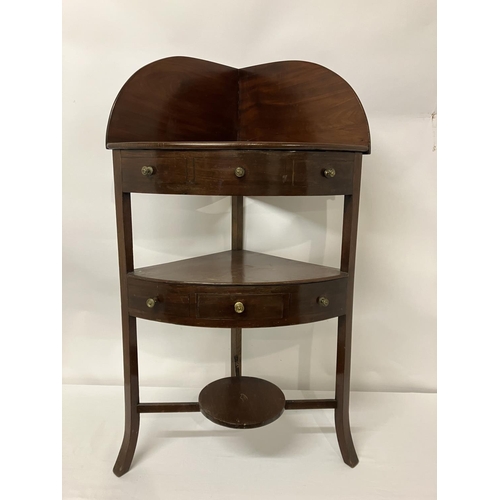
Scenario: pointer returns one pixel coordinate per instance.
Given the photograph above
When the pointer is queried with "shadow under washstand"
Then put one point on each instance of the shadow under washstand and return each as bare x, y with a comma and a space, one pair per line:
281, 438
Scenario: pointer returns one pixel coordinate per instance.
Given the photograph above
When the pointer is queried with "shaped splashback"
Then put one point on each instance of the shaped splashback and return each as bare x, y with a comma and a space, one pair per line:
181, 99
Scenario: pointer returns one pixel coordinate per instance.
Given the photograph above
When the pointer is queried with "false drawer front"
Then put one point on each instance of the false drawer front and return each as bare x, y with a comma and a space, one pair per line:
158, 301
250, 173
236, 306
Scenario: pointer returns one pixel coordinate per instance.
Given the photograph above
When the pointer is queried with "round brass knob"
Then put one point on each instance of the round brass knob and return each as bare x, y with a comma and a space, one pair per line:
151, 302
239, 171
323, 301
329, 172
147, 170
239, 307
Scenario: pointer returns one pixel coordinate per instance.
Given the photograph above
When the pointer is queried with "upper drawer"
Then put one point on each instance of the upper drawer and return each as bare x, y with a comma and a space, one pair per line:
249, 173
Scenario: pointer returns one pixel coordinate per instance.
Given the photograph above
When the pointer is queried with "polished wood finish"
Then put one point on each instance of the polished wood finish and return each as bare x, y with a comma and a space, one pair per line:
237, 145
266, 173
310, 404
236, 352
237, 223
238, 267
167, 407
202, 291
281, 129
182, 99
176, 99
236, 244
213, 305
344, 336
290, 404
129, 327
242, 402
299, 101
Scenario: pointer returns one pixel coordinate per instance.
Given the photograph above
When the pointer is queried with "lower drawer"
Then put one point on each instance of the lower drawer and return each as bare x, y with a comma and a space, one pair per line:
248, 307
236, 306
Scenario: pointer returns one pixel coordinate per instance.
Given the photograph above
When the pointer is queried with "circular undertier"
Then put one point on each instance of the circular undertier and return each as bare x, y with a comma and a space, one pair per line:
242, 402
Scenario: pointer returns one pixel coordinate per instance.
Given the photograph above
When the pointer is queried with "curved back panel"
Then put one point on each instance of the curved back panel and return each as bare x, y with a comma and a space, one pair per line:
296, 101
176, 99
184, 99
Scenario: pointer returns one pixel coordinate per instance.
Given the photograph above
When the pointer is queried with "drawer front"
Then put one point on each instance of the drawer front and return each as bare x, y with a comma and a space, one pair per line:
170, 306
169, 172
249, 173
214, 306
306, 305
241, 307
323, 173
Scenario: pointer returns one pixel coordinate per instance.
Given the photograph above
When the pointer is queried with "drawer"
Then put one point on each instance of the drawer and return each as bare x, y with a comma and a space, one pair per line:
214, 305
247, 173
241, 307
154, 173
171, 305
318, 173
242, 172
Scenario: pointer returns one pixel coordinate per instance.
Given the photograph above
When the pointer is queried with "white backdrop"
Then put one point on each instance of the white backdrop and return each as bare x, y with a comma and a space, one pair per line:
386, 51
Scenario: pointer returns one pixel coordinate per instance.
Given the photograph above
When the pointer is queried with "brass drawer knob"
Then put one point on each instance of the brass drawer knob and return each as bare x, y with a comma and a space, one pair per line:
151, 302
323, 301
239, 307
239, 171
329, 173
147, 170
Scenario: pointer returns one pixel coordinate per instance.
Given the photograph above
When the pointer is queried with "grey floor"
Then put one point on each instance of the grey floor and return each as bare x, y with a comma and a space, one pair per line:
185, 456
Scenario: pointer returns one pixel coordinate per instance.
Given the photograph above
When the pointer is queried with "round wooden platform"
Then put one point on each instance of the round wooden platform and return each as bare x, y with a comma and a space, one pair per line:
242, 402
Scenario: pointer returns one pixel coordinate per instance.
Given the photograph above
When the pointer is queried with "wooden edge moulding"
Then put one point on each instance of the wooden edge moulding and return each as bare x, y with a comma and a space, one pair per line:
186, 126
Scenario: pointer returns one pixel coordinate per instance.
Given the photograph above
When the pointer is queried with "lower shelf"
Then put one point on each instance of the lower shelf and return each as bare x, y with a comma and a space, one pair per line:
242, 402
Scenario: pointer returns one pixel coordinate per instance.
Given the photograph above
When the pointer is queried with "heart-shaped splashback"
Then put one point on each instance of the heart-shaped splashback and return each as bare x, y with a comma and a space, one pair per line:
182, 99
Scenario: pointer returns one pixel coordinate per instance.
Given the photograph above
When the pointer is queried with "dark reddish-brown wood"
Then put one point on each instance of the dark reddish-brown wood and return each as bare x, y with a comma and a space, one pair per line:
236, 244
129, 327
179, 99
290, 404
213, 305
205, 129
237, 223
242, 402
344, 337
214, 172
310, 404
238, 267
299, 101
236, 145
176, 99
167, 407
202, 291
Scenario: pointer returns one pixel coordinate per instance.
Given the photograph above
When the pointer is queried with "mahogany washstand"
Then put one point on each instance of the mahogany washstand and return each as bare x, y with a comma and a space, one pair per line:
187, 126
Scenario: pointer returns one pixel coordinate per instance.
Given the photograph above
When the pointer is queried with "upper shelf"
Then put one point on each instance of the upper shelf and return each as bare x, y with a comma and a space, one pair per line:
182, 102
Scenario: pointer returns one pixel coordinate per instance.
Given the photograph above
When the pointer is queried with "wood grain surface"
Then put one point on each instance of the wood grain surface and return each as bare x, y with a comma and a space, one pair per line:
266, 173
238, 267
285, 128
182, 99
242, 402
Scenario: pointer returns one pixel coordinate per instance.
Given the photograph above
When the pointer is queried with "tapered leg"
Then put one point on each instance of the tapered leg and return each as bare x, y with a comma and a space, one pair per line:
343, 376
131, 379
129, 324
342, 425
